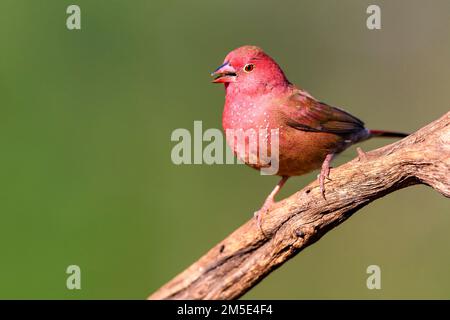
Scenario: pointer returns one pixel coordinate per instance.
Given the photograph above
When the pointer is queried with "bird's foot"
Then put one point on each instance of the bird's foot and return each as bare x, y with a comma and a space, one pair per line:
267, 206
268, 203
361, 154
325, 173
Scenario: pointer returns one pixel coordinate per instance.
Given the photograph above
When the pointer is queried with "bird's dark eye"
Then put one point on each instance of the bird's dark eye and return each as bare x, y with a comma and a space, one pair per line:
249, 67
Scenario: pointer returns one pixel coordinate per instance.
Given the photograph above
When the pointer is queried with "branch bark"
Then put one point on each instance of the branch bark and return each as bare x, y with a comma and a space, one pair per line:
245, 257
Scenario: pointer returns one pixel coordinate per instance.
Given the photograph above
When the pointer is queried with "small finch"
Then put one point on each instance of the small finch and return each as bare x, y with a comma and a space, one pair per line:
258, 96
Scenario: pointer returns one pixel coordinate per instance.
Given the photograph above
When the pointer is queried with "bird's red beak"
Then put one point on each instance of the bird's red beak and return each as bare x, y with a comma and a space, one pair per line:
225, 73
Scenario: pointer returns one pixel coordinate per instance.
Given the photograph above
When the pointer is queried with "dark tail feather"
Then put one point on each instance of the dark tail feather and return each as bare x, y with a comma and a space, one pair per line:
387, 134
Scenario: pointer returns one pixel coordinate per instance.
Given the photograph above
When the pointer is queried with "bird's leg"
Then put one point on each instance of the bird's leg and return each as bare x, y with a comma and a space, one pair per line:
270, 201
325, 172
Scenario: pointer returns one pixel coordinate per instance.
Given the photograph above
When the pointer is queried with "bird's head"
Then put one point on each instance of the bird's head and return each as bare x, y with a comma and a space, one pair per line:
250, 69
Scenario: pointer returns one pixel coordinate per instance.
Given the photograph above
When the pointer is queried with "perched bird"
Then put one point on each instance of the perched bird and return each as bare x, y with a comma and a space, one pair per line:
259, 96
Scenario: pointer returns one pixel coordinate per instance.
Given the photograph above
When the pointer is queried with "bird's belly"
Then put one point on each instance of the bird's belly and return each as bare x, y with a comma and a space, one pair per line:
299, 152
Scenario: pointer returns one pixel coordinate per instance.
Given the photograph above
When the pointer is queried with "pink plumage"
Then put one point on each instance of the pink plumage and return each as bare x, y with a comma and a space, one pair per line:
259, 96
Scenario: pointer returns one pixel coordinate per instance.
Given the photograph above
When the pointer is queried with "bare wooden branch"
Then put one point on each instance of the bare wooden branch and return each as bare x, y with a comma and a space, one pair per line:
245, 257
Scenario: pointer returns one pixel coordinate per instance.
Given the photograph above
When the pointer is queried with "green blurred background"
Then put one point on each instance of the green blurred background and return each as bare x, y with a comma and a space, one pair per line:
86, 118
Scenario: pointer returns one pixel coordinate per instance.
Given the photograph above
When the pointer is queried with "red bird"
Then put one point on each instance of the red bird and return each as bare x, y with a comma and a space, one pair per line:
259, 96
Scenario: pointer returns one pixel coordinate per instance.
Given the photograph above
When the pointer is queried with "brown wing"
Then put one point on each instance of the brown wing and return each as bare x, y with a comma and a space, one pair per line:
309, 114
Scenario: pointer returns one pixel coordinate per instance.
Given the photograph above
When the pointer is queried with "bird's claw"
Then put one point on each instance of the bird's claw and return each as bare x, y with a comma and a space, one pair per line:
325, 174
361, 154
258, 215
268, 204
